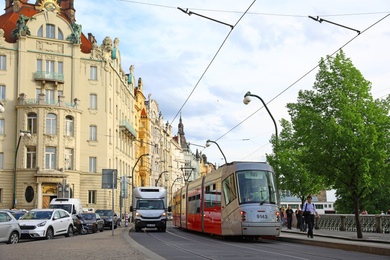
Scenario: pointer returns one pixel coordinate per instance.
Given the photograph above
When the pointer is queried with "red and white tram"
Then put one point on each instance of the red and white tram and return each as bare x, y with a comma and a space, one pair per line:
238, 199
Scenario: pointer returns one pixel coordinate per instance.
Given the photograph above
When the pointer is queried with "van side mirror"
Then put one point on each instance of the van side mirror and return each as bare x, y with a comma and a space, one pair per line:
169, 209
131, 208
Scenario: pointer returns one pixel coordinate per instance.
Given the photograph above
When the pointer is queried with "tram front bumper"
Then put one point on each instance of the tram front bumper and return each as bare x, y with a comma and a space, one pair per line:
261, 229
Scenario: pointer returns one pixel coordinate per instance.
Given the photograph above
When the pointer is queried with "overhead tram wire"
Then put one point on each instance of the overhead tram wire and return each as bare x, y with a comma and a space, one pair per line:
304, 75
212, 60
252, 13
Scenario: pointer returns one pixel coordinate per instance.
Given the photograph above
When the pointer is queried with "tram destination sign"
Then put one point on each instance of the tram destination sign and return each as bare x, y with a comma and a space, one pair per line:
109, 178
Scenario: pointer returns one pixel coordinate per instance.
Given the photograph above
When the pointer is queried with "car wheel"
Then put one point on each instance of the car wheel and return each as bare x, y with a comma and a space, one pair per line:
70, 232
13, 238
49, 233
102, 229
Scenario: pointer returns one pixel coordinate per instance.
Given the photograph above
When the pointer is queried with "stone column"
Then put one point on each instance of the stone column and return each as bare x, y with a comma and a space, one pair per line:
39, 195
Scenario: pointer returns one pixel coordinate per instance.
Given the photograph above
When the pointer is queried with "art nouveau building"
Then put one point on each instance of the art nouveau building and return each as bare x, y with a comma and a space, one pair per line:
83, 112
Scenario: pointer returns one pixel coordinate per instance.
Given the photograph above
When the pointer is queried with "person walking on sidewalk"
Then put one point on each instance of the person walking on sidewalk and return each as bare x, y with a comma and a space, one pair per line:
298, 215
289, 213
309, 211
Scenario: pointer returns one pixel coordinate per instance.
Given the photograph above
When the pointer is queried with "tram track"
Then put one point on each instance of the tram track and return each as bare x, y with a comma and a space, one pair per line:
236, 250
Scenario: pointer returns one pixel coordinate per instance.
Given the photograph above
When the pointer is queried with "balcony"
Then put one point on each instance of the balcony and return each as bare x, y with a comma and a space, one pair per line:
49, 76
125, 126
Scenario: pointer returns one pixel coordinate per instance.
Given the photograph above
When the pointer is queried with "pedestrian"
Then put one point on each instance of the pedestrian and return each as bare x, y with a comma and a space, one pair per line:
310, 211
282, 215
298, 215
289, 214
364, 212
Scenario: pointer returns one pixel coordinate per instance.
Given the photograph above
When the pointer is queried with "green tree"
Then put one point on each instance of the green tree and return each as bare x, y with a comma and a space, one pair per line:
344, 132
291, 172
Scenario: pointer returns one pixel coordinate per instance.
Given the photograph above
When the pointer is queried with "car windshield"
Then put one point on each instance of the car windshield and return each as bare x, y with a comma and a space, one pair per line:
104, 212
37, 215
89, 216
67, 207
150, 204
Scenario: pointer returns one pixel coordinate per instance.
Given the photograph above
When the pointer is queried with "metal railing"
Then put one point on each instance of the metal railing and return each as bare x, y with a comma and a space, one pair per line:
346, 222
49, 76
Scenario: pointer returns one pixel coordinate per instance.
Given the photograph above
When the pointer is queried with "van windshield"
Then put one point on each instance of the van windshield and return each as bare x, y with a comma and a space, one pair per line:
67, 207
150, 204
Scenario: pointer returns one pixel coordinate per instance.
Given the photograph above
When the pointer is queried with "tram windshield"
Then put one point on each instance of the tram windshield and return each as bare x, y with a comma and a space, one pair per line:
256, 187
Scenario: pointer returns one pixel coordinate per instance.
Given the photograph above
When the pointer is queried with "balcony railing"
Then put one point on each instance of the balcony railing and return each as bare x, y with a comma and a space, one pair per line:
49, 76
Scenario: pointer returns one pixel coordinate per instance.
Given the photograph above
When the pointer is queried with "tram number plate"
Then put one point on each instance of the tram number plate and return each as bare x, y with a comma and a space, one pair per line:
150, 225
261, 216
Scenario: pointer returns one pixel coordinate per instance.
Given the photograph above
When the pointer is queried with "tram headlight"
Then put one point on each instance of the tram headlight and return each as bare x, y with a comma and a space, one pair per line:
243, 216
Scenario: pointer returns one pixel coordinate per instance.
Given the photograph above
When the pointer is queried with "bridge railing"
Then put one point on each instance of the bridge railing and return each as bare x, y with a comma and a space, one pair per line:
346, 222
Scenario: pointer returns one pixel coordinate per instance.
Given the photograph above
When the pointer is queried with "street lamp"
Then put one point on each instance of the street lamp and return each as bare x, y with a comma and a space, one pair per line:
160, 177
177, 179
21, 134
246, 101
132, 177
208, 144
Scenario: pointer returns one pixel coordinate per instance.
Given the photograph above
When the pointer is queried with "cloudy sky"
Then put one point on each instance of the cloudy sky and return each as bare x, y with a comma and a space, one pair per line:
201, 69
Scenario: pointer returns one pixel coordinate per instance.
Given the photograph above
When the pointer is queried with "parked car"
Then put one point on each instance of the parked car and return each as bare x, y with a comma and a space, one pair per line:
9, 228
106, 215
15, 212
46, 223
94, 222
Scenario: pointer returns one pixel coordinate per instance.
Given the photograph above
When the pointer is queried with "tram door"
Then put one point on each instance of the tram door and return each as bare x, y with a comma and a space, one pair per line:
231, 218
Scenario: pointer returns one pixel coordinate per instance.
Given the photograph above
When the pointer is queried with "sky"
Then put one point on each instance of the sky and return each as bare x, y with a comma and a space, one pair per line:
200, 69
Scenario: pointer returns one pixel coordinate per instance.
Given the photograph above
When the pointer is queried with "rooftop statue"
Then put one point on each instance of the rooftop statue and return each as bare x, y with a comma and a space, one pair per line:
75, 37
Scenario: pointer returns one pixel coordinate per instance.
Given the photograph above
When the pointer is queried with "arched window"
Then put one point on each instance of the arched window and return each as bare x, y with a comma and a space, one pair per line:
51, 124
40, 31
32, 124
69, 126
60, 34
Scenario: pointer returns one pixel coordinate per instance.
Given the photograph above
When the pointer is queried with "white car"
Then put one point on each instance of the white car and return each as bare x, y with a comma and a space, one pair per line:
9, 228
46, 223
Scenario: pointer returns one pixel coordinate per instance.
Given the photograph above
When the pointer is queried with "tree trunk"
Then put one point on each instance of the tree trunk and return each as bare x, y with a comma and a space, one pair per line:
357, 219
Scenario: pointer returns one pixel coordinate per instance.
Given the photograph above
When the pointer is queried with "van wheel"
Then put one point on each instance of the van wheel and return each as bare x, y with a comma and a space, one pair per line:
70, 232
49, 233
137, 229
13, 238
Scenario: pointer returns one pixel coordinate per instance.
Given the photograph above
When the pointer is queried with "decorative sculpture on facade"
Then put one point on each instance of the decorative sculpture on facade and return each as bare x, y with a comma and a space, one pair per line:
21, 27
75, 37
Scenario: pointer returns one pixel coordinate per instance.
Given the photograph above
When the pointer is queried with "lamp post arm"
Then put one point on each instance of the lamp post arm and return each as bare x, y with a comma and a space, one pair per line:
265, 105
224, 157
159, 177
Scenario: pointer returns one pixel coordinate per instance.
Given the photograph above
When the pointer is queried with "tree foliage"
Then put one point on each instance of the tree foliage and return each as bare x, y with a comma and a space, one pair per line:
341, 132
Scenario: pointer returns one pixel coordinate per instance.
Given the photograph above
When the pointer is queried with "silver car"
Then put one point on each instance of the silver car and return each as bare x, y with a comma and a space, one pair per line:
9, 228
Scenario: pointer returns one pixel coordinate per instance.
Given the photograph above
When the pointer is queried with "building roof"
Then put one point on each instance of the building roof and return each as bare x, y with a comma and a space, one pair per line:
9, 19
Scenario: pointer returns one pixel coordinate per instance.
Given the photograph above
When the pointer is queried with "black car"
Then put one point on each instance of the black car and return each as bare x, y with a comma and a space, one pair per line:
93, 222
106, 215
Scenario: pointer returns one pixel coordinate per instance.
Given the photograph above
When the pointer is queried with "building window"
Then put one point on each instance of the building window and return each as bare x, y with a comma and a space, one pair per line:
92, 133
29, 194
39, 65
3, 62
69, 159
92, 164
92, 197
37, 92
49, 67
51, 124
2, 126
60, 34
60, 65
40, 31
93, 73
1, 195
32, 123
93, 101
31, 157
2, 92
1, 160
50, 99
69, 126
50, 31
50, 157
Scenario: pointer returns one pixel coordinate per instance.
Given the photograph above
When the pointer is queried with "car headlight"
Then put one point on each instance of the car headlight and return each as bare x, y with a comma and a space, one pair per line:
42, 224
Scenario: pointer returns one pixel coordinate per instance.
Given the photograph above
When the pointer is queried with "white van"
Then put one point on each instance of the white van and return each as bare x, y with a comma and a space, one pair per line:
72, 205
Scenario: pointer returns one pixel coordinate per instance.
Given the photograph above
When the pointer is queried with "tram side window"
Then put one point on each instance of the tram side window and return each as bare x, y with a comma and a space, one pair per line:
212, 196
229, 189
194, 204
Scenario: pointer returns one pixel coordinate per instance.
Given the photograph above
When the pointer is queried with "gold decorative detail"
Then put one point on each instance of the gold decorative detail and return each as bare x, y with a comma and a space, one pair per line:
49, 5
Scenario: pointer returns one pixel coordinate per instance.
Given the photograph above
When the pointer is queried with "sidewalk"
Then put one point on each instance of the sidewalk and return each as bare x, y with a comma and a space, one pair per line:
372, 243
